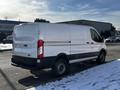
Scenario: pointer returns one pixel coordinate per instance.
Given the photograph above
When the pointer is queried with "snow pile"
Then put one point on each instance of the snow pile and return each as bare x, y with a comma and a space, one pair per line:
103, 77
5, 46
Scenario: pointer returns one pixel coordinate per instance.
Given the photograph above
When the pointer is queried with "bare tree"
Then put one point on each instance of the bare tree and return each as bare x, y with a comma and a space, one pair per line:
41, 20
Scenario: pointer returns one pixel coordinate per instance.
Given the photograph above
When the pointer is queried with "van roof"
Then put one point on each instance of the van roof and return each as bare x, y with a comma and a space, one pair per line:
38, 23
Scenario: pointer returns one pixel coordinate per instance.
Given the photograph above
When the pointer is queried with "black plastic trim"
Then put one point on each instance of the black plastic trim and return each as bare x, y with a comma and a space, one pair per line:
46, 62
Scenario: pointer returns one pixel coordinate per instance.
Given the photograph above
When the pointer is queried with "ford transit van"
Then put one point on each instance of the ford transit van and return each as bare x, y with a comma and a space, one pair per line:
56, 46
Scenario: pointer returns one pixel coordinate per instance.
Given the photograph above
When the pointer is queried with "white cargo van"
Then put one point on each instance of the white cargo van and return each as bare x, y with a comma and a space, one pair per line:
46, 45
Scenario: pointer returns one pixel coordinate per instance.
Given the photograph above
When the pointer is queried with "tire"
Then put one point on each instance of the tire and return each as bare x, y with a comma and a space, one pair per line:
101, 58
60, 67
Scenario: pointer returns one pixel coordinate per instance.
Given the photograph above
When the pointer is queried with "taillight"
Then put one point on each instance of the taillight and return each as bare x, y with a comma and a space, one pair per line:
40, 49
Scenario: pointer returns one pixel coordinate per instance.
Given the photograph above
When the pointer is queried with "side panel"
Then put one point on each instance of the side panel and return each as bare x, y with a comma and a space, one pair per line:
56, 39
80, 37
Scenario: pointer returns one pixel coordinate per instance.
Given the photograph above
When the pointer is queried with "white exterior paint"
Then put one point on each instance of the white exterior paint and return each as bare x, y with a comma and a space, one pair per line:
58, 38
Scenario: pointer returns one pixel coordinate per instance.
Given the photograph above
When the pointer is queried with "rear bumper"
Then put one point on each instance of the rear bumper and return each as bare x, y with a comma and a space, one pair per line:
31, 63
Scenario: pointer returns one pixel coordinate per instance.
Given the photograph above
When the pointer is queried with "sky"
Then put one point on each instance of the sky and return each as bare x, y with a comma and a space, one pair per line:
61, 10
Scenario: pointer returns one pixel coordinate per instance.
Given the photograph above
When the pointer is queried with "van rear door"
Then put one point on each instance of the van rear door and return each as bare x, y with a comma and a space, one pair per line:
25, 39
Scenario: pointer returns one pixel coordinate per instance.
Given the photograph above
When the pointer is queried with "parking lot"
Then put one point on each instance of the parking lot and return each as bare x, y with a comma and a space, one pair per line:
17, 78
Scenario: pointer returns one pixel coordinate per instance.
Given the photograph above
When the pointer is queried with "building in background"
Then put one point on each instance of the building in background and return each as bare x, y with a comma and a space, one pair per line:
104, 28
6, 28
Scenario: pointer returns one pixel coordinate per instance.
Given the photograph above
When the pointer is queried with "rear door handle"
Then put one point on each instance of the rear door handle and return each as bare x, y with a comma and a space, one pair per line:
92, 43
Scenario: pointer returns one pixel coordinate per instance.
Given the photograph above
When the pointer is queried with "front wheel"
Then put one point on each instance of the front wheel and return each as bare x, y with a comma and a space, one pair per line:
101, 57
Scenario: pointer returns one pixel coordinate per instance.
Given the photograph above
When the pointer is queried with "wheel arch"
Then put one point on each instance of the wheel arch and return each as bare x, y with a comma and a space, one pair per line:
64, 56
103, 50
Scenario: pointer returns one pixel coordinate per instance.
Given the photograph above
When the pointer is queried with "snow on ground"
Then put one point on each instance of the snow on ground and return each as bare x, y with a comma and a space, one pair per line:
5, 46
102, 77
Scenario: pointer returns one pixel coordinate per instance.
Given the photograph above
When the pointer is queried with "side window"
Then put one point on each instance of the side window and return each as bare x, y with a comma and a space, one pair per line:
95, 36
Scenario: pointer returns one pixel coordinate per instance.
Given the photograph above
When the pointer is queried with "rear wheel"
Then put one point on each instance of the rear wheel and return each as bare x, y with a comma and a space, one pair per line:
60, 67
101, 57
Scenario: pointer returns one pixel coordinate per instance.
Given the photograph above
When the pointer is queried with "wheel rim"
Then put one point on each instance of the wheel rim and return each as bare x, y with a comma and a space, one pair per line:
61, 68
